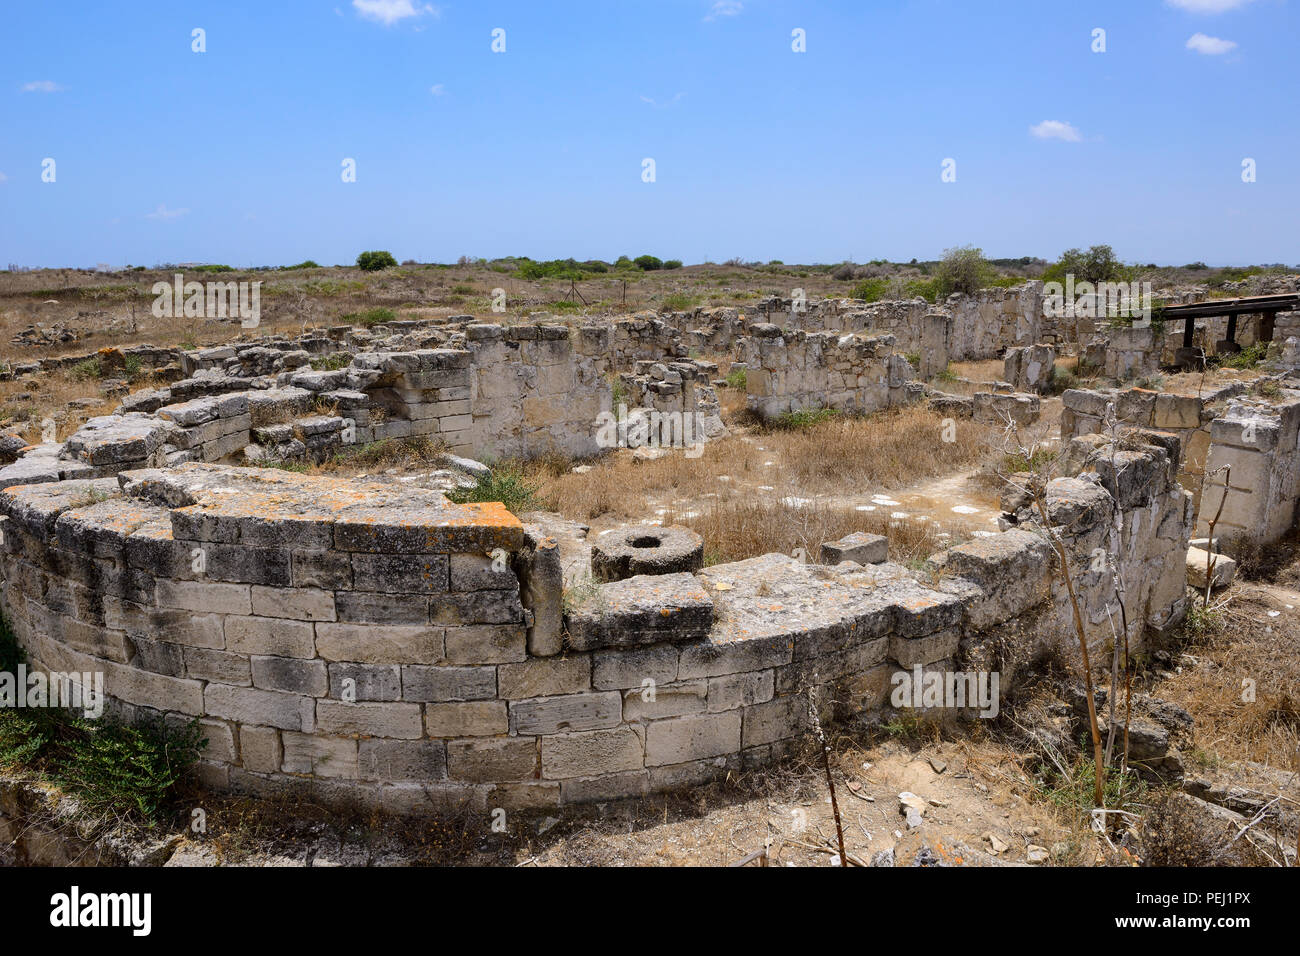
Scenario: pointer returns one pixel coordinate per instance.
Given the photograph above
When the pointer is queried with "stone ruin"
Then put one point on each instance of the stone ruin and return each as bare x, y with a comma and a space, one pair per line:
379, 645
375, 644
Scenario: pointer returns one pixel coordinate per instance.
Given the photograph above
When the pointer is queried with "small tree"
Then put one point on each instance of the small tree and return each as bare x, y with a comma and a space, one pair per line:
648, 263
963, 269
1097, 264
375, 260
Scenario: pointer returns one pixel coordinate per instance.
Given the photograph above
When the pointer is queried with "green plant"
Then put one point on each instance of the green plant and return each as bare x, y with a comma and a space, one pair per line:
737, 378
87, 369
1097, 264
1247, 358
331, 363
672, 263
375, 260
963, 269
506, 484
1062, 379
870, 290
648, 263
803, 418
618, 391
1075, 790
305, 264
132, 367
370, 317
112, 767
680, 302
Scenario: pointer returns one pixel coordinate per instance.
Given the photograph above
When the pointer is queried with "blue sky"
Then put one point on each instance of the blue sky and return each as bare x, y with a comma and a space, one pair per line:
234, 155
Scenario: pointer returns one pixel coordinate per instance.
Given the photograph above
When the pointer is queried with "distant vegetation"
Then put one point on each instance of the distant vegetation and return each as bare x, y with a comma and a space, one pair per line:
375, 260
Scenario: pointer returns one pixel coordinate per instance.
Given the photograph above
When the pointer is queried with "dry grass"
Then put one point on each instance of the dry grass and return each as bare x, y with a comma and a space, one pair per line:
740, 528
887, 451
1242, 643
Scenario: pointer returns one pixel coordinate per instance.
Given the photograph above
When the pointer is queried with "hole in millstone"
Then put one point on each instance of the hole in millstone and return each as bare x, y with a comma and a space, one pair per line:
645, 541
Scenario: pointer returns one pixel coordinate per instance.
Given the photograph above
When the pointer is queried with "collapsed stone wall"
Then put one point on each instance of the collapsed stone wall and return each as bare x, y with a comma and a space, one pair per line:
1217, 430
1124, 516
376, 644
790, 371
1253, 471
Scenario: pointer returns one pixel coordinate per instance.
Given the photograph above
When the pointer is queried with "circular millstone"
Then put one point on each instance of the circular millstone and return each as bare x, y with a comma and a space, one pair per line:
646, 550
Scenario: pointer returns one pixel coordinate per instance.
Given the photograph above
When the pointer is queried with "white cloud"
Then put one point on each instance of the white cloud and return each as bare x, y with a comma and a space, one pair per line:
41, 86
1055, 129
1207, 6
1210, 46
162, 212
724, 8
438, 89
389, 12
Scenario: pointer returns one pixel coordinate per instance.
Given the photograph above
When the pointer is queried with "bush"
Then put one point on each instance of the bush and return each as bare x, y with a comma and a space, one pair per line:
375, 260
679, 302
370, 317
87, 369
804, 418
1098, 264
870, 290
1247, 358
111, 767
648, 263
738, 378
552, 269
844, 272
305, 264
505, 484
672, 263
963, 269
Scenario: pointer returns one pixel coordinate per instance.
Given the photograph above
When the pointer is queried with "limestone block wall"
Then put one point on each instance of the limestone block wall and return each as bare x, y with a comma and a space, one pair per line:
994, 319
534, 389
1213, 429
1017, 608
1131, 353
789, 371
1260, 443
382, 646
644, 337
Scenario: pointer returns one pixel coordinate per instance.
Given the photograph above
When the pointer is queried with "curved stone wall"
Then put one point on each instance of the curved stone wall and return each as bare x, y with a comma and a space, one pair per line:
376, 643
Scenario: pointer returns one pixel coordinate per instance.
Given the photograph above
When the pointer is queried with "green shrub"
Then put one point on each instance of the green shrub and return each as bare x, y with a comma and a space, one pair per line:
1062, 379
1097, 264
305, 264
927, 289
680, 302
111, 767
648, 263
331, 363
506, 484
552, 269
132, 366
1247, 358
370, 317
870, 290
738, 378
672, 263
803, 418
963, 269
375, 260
87, 369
